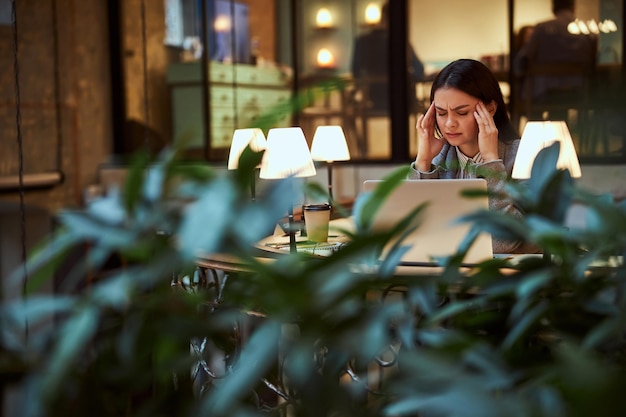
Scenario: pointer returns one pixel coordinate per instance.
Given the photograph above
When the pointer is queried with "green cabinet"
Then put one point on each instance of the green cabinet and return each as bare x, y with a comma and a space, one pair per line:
237, 95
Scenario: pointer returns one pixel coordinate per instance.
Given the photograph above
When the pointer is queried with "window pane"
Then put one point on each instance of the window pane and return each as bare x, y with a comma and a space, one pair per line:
593, 110
346, 84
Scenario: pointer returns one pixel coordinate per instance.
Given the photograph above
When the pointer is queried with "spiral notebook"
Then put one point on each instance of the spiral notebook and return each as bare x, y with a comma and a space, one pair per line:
439, 233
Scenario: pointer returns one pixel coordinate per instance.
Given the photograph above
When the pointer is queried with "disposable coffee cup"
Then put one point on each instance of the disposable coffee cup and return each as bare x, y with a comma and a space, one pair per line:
316, 219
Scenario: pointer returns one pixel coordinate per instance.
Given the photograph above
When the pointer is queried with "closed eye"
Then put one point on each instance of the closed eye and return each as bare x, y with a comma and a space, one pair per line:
461, 110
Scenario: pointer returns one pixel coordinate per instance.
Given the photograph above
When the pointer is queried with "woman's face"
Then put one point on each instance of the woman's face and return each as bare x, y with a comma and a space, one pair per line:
455, 118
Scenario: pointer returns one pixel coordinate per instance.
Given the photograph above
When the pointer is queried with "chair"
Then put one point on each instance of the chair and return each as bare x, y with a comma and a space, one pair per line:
324, 103
365, 103
364, 107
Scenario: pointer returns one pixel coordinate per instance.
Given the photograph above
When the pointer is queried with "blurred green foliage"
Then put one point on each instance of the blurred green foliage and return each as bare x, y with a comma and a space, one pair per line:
312, 336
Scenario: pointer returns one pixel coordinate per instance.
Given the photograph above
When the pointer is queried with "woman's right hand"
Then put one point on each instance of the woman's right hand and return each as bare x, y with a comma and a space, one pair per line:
428, 146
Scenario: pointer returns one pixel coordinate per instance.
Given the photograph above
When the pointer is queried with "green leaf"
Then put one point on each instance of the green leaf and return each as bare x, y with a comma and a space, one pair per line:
524, 324
207, 220
257, 356
555, 198
154, 183
108, 210
75, 334
32, 316
192, 172
134, 181
544, 168
367, 204
88, 229
533, 283
451, 310
114, 292
43, 262
606, 331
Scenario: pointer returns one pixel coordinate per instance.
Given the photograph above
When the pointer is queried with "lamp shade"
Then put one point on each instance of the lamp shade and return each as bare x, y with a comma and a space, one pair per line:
329, 144
241, 139
287, 154
539, 135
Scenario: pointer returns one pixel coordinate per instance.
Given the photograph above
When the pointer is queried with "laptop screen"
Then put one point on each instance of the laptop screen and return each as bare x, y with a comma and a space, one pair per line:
438, 233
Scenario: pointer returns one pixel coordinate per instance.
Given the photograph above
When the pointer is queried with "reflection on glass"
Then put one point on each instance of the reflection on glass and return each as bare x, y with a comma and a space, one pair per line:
247, 55
324, 19
234, 85
230, 39
372, 14
593, 114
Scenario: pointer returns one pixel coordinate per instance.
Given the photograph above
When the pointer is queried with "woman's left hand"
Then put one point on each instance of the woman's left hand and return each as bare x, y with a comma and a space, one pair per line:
487, 132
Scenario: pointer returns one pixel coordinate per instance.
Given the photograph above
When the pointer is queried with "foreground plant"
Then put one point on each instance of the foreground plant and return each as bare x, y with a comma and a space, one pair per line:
543, 336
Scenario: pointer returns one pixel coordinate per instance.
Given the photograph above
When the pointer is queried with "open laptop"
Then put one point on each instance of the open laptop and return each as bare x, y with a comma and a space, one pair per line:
437, 234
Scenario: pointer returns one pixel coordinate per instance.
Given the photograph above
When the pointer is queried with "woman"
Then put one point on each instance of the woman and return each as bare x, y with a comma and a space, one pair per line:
466, 133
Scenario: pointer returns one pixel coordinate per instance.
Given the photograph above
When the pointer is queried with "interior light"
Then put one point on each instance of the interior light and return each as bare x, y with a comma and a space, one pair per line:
372, 14
324, 19
325, 59
221, 23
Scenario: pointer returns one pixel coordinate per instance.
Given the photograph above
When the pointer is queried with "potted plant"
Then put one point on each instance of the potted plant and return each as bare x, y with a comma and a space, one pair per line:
154, 335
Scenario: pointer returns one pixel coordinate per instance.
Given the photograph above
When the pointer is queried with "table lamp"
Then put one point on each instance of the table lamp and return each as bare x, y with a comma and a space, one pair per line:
329, 144
287, 155
541, 134
242, 138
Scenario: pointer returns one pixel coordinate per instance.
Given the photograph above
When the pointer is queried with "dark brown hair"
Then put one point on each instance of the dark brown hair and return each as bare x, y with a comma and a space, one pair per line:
474, 78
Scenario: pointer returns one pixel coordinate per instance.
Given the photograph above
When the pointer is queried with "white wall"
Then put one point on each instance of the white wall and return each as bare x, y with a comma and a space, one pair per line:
531, 12
448, 29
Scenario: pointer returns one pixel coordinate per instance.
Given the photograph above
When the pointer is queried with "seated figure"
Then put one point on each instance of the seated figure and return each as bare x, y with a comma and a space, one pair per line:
551, 46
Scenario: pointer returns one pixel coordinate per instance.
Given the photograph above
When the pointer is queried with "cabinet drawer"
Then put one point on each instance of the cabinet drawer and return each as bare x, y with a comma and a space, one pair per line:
239, 95
191, 72
221, 136
222, 117
262, 97
222, 96
260, 76
246, 74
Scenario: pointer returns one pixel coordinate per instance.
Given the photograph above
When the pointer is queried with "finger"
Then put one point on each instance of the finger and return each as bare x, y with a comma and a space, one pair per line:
430, 110
430, 115
419, 124
479, 119
482, 120
480, 109
484, 114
